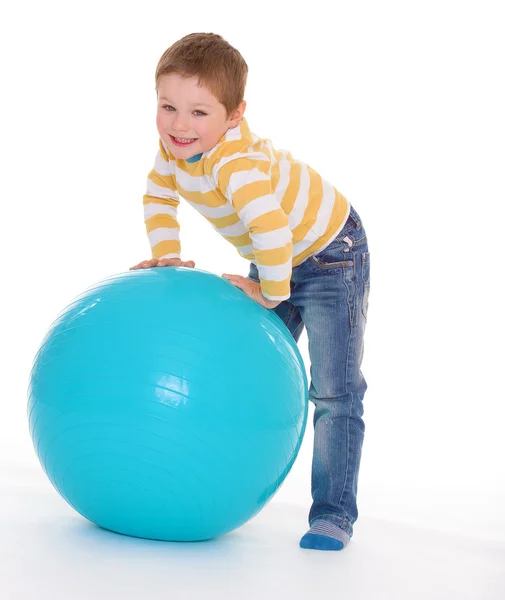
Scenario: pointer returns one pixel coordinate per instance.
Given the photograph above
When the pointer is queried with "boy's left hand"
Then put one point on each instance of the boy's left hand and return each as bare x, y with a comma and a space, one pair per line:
252, 289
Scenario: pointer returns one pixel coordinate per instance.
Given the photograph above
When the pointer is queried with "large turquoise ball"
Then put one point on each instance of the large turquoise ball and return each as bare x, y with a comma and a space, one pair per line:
166, 404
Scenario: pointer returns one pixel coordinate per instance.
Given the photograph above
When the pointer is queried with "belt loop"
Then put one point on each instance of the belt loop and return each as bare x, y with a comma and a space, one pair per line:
355, 217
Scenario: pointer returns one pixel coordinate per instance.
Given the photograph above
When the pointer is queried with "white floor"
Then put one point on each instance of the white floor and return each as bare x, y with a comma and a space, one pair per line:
48, 551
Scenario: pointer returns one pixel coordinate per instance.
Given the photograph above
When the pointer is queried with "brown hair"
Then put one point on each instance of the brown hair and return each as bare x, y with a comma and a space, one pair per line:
218, 65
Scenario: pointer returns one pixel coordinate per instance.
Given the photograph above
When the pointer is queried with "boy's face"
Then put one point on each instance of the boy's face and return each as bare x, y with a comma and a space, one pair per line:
192, 113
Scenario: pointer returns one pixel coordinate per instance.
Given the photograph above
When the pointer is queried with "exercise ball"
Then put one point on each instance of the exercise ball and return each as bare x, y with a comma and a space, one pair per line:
166, 404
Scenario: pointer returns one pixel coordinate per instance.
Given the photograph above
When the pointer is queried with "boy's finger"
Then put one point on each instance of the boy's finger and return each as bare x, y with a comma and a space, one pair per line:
236, 281
144, 264
234, 278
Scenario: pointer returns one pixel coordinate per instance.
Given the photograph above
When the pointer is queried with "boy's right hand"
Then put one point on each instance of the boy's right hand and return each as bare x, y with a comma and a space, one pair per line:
164, 262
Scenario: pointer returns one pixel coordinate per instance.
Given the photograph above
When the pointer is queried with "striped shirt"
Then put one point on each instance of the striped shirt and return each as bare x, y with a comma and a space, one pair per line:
276, 210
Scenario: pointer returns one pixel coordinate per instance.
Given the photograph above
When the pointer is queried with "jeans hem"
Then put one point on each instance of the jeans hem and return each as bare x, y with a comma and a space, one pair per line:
342, 523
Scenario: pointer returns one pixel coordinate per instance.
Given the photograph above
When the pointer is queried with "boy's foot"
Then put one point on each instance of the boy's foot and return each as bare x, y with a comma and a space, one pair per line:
324, 535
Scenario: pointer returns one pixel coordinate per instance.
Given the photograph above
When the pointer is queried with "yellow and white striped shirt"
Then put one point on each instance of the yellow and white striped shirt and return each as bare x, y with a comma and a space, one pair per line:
274, 209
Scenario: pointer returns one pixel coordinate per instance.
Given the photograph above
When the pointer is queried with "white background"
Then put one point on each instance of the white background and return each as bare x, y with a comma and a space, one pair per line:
397, 104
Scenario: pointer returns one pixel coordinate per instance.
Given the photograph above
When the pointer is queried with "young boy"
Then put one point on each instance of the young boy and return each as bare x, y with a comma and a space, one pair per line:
306, 244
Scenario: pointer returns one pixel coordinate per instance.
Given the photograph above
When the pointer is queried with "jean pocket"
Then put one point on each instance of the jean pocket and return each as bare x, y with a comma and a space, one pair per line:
323, 263
365, 274
335, 256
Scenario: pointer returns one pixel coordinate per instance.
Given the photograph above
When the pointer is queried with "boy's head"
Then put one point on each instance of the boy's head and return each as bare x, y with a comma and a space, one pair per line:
200, 84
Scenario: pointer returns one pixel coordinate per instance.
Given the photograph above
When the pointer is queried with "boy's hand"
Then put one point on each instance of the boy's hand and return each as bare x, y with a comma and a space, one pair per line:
164, 262
252, 289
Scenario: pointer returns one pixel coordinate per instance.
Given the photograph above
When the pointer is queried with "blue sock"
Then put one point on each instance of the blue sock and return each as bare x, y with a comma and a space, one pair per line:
324, 535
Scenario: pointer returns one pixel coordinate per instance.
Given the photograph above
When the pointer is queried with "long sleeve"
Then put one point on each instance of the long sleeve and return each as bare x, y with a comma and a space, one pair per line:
160, 209
246, 183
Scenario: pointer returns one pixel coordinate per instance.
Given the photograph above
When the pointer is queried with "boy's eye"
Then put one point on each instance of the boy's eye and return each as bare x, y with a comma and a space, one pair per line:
167, 106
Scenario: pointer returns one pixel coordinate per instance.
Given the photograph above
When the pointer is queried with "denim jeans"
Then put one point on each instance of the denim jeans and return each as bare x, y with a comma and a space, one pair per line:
329, 296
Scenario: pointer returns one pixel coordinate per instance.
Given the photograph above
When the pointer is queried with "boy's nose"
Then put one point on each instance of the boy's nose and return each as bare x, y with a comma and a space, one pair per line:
179, 125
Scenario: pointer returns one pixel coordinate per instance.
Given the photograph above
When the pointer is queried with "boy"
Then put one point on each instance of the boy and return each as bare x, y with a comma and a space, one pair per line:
307, 247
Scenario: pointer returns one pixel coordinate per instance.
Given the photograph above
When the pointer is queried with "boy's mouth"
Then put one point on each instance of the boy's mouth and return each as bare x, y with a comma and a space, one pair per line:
182, 141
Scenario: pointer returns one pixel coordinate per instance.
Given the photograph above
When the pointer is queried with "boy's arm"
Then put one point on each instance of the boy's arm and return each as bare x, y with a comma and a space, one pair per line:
246, 182
160, 209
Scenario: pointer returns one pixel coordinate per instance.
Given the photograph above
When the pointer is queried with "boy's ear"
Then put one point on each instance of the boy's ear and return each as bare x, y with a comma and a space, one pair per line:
237, 114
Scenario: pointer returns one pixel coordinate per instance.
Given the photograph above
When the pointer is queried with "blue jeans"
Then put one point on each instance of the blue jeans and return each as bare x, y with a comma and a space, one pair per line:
329, 296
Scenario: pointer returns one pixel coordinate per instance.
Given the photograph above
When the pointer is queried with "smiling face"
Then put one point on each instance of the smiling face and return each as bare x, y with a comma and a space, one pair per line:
190, 119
